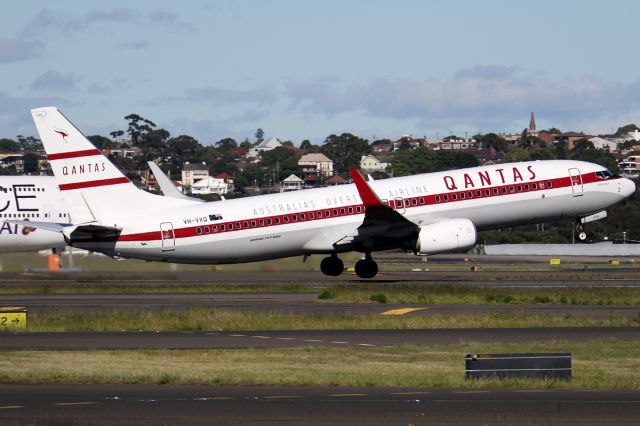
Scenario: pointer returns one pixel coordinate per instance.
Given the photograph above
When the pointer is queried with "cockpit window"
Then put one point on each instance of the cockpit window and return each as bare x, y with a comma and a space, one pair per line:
604, 174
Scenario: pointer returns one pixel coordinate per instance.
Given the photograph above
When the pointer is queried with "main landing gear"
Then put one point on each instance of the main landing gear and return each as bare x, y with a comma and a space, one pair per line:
332, 266
365, 268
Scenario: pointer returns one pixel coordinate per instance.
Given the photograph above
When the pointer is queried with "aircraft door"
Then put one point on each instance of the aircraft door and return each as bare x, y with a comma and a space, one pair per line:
576, 182
168, 236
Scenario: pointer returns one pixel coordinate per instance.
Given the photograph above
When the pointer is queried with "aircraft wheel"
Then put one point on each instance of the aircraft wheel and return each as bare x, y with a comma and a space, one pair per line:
582, 236
332, 266
366, 268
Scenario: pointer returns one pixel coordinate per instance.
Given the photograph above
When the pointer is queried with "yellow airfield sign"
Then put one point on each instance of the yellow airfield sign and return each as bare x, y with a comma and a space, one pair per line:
12, 319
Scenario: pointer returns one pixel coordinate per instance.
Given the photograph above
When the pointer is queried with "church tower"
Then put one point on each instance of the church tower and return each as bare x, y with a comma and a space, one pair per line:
531, 131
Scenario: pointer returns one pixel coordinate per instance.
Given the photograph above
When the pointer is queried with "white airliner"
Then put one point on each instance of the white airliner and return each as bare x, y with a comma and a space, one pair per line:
30, 198
427, 213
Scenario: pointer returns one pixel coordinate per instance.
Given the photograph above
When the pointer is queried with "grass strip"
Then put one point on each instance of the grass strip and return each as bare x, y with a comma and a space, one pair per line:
201, 319
596, 365
461, 294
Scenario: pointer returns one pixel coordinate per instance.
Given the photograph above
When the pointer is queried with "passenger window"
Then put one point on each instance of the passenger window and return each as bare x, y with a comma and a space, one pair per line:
478, 193
286, 219
437, 198
253, 223
221, 227
534, 186
215, 228
261, 222
335, 212
526, 187
207, 230
277, 219
519, 188
294, 217
454, 197
230, 226
421, 200
342, 212
246, 224
495, 191
268, 221
414, 201
311, 216
350, 210
446, 198
199, 231
504, 189
301, 216
470, 194
487, 192
462, 195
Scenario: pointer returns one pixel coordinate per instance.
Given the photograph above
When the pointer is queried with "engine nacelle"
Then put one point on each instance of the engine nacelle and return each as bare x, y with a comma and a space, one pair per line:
446, 235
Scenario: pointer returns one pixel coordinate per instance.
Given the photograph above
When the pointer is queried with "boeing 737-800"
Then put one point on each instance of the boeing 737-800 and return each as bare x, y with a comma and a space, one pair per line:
427, 213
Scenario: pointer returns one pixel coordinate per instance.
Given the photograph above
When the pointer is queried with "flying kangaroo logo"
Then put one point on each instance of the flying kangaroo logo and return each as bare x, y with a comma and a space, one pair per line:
63, 134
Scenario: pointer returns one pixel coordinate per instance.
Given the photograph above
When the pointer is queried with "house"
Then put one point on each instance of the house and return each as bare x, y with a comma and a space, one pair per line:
265, 145
370, 164
630, 166
335, 180
315, 167
454, 143
292, 183
572, 137
12, 159
123, 149
409, 141
227, 178
192, 173
210, 185
604, 144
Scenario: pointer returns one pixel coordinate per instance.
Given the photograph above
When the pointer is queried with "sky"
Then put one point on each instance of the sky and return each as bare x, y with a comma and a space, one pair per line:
308, 69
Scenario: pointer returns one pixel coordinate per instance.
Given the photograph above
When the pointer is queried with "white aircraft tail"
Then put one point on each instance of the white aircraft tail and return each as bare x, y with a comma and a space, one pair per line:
93, 187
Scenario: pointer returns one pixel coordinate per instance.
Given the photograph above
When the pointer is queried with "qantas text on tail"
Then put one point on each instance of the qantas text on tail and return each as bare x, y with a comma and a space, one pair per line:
427, 213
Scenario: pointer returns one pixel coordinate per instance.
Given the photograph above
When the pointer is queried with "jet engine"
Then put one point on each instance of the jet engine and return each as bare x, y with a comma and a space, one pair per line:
445, 235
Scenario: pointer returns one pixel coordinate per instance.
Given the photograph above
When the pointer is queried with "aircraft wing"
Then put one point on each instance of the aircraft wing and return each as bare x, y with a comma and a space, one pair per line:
381, 223
166, 186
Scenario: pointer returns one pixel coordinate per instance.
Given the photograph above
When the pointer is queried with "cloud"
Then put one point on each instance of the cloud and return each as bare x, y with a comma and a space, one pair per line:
15, 49
15, 118
221, 96
135, 45
54, 81
47, 20
480, 97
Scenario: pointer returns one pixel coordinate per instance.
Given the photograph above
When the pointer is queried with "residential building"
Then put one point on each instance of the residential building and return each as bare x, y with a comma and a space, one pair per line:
604, 144
292, 183
316, 167
123, 149
14, 159
192, 173
226, 178
408, 140
210, 185
265, 145
453, 143
630, 166
370, 164
335, 180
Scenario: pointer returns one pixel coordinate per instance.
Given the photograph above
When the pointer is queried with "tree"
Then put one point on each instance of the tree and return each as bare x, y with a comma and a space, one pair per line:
626, 129
423, 160
259, 135
246, 144
101, 142
137, 127
31, 163
9, 145
226, 144
29, 143
308, 147
117, 134
184, 148
345, 150
492, 140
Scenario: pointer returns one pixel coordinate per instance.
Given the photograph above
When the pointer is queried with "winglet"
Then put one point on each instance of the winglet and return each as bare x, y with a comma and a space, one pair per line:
369, 198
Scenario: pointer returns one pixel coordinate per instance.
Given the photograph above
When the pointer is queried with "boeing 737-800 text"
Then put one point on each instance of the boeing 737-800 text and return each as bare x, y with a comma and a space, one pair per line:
427, 213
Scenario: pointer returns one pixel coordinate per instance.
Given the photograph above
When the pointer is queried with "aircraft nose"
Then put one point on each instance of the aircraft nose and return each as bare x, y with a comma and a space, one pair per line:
627, 187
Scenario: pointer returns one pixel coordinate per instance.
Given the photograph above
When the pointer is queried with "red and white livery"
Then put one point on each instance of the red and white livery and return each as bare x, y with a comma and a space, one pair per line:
427, 213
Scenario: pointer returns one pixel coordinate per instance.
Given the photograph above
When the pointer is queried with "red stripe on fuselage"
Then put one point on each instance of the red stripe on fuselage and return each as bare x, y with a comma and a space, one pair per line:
73, 154
93, 183
352, 210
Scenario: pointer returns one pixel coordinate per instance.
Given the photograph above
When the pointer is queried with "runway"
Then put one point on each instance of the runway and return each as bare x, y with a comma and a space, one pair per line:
625, 277
296, 338
290, 303
168, 404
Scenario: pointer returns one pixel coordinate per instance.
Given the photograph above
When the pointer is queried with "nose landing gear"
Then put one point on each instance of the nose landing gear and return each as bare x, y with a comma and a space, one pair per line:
367, 267
582, 235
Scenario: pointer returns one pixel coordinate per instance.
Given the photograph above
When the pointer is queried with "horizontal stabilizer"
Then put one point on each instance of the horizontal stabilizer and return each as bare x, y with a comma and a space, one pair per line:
47, 226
